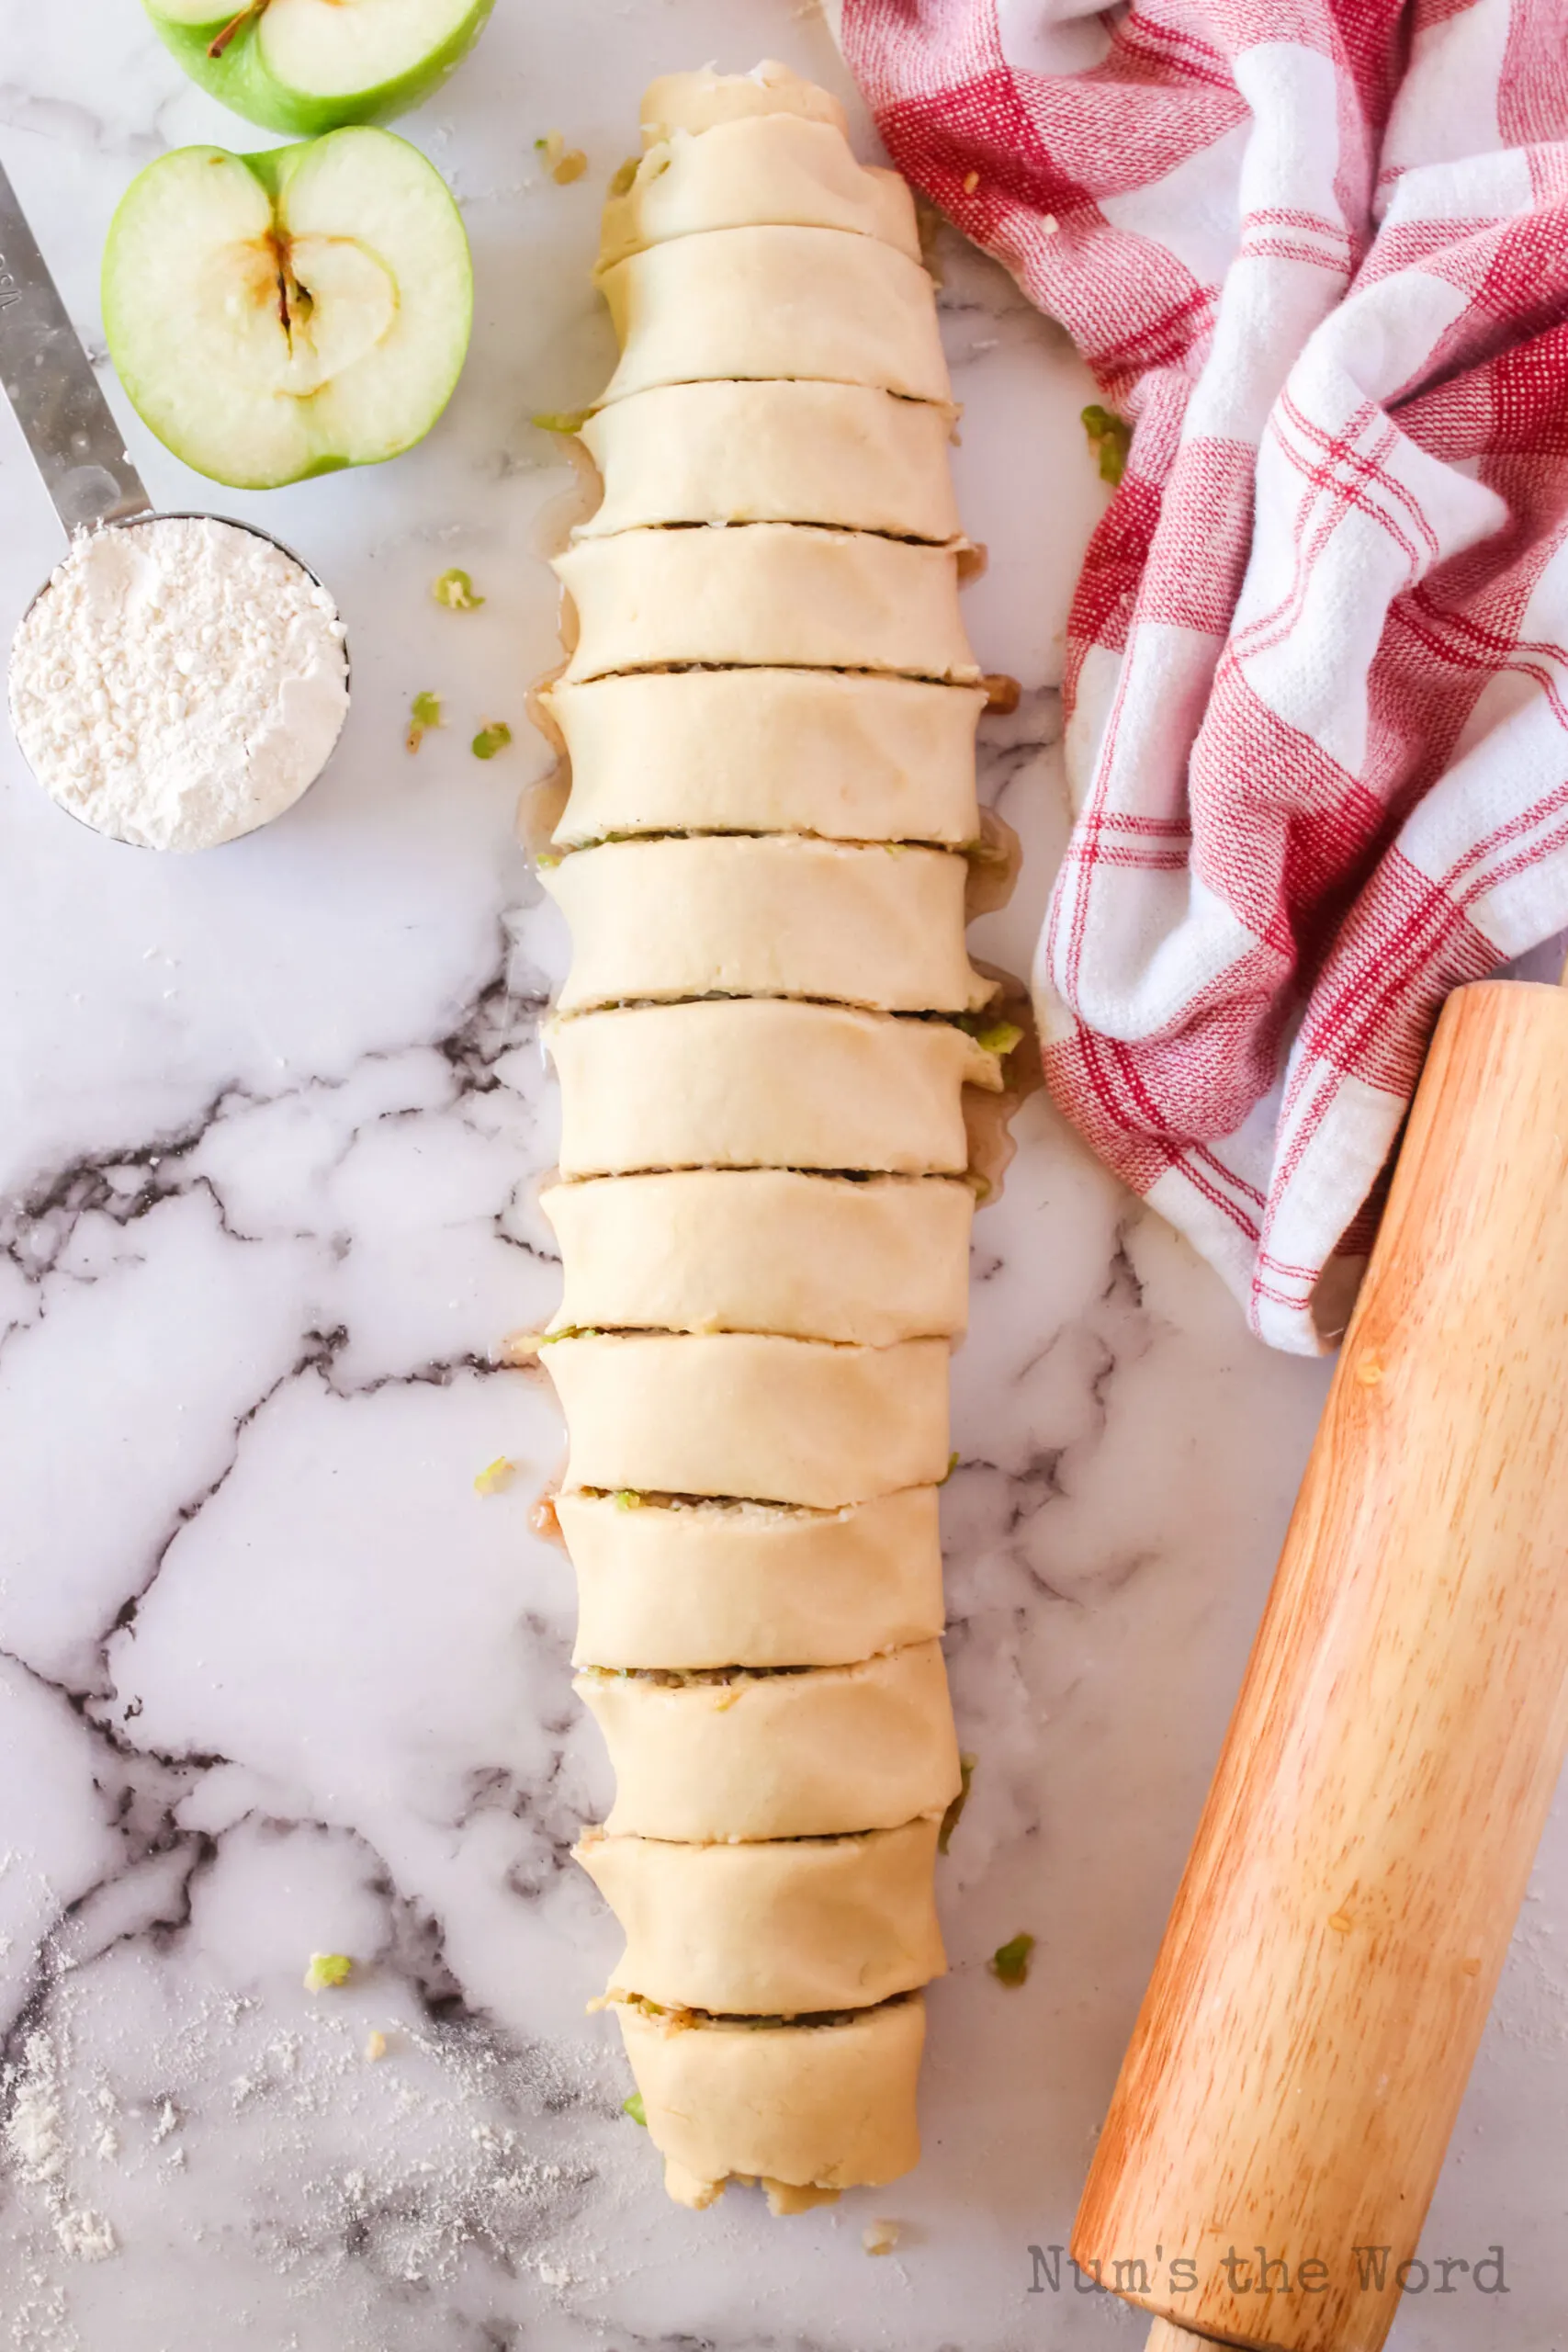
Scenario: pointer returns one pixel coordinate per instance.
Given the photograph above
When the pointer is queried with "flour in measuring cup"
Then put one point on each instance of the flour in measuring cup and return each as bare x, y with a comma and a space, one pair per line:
178, 682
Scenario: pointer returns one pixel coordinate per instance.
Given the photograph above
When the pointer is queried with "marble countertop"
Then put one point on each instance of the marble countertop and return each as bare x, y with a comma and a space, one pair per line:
274, 1679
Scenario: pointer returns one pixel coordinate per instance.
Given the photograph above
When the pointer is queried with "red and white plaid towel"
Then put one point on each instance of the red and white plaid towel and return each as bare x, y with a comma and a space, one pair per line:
1318, 689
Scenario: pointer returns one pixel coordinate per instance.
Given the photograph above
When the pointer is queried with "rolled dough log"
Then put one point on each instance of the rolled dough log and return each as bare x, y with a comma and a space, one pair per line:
874, 1261
755, 169
720, 1584
763, 1420
813, 2106
763, 1083
774, 1929
765, 594
771, 302
769, 751
836, 1748
775, 915
742, 1012
774, 453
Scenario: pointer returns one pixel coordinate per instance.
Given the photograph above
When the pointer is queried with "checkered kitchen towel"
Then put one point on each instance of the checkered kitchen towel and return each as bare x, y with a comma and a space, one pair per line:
1316, 251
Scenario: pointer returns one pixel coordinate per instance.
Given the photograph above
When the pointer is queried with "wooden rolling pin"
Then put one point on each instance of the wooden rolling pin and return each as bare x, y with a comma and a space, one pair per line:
1304, 2045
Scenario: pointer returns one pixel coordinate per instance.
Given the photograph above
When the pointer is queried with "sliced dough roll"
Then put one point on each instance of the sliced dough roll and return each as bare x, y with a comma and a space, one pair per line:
769, 751
825, 2106
757, 168
698, 99
764, 1419
716, 1584
837, 454
772, 1929
763, 1083
776, 302
765, 594
774, 915
871, 1261
812, 1754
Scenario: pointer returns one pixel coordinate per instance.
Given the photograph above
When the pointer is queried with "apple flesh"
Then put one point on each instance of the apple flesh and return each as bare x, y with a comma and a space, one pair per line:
310, 66
277, 315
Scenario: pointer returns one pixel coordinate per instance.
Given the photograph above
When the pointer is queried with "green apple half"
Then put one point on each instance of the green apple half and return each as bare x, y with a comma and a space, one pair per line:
277, 315
306, 66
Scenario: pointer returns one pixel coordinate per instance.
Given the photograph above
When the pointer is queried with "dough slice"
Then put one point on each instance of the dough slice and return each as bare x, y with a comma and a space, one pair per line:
763, 1083
774, 453
779, 915
776, 302
755, 169
769, 751
715, 1584
765, 594
788, 1927
698, 101
837, 1749
871, 1261
762, 1418
826, 2106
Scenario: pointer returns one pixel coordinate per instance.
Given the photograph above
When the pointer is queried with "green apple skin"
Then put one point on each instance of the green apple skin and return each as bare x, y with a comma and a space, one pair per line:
204, 399
243, 81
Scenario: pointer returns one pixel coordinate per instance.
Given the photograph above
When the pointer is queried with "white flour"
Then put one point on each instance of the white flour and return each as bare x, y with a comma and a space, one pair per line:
178, 682
37, 2141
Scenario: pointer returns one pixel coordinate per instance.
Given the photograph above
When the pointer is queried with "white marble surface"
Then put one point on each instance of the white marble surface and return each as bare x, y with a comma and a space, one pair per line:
274, 1679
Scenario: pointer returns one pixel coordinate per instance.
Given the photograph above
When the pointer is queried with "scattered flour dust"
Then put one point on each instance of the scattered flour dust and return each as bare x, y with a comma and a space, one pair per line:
180, 681
457, 2143
38, 2146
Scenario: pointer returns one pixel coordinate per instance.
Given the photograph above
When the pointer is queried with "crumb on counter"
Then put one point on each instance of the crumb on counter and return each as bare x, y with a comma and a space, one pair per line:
1003, 694
1110, 438
375, 2045
491, 740
495, 1476
327, 1970
455, 589
880, 2237
954, 1814
1009, 1963
565, 164
424, 712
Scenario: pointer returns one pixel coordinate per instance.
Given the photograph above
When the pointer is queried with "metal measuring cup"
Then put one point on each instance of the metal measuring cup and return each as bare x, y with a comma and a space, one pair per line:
68, 425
